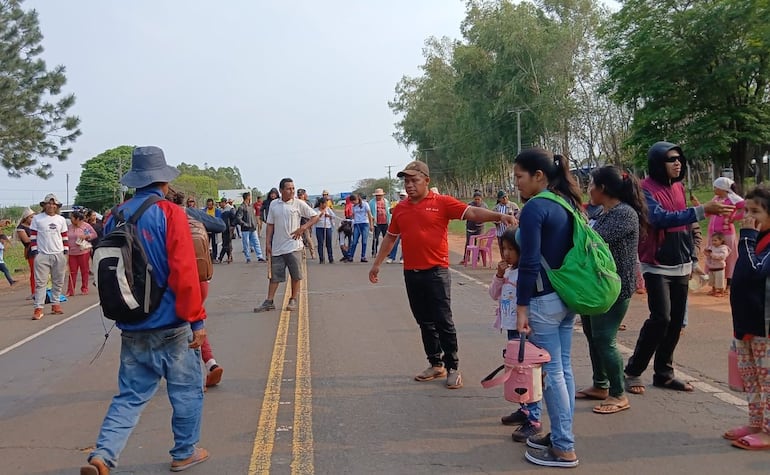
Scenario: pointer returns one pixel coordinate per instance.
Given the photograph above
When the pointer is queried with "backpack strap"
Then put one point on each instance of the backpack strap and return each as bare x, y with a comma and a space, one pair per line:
140, 211
550, 195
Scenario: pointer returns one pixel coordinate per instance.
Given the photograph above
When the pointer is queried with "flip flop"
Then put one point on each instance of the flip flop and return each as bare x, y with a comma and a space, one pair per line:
673, 384
738, 432
752, 442
592, 392
611, 405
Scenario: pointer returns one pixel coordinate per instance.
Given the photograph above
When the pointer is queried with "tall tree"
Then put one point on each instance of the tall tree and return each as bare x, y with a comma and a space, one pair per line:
99, 187
696, 73
34, 127
227, 178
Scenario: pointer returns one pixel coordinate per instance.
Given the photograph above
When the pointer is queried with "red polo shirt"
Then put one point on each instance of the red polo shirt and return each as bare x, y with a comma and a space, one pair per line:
423, 229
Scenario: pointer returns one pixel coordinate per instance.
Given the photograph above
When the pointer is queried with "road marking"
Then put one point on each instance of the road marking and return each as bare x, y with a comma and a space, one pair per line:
45, 330
302, 443
264, 439
718, 393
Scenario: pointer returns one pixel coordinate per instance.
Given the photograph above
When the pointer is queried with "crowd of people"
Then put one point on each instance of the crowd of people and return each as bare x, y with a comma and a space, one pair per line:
647, 224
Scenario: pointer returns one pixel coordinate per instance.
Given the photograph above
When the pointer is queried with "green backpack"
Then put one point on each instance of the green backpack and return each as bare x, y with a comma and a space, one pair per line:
587, 280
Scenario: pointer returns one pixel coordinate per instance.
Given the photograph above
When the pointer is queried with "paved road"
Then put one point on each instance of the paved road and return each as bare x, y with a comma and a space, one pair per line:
329, 389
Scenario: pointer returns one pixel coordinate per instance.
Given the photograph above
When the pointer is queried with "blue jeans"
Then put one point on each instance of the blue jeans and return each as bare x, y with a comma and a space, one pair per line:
552, 324
360, 230
251, 240
534, 410
145, 357
394, 251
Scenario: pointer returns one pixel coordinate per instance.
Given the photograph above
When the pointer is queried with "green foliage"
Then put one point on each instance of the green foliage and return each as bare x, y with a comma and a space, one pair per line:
198, 186
227, 178
460, 114
368, 185
34, 127
99, 186
694, 73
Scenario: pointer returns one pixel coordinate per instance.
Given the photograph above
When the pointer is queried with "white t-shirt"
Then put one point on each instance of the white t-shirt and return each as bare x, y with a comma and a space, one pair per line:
285, 216
50, 230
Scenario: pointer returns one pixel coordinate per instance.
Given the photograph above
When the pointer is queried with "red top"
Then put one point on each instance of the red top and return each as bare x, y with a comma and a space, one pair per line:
423, 229
258, 207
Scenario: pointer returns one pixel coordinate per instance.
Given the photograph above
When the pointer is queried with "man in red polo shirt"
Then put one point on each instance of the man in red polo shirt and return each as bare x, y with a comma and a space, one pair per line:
421, 221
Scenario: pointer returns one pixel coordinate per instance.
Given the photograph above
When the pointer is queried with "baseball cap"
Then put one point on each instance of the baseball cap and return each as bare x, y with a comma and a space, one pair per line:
413, 168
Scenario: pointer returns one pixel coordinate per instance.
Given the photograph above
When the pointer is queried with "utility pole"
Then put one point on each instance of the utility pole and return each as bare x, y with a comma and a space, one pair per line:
390, 180
68, 190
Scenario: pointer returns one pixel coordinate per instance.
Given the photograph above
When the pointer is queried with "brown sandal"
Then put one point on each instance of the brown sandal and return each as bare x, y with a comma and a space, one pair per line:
592, 392
611, 405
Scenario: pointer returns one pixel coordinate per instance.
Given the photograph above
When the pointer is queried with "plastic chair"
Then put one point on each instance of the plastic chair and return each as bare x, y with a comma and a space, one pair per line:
480, 246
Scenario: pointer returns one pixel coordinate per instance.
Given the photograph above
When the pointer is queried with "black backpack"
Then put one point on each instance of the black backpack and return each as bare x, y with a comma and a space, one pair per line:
128, 292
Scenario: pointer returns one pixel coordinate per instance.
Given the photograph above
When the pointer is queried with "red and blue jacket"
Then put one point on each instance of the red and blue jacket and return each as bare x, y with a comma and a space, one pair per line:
166, 238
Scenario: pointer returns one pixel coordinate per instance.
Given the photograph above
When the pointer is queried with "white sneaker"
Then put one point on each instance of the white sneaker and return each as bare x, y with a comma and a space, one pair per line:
388, 261
401, 261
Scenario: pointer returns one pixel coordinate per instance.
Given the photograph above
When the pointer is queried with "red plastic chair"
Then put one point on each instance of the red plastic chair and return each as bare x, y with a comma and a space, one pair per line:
480, 246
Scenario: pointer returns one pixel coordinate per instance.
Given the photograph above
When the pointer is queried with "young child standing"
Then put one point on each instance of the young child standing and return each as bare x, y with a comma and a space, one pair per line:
750, 324
503, 290
716, 258
4, 242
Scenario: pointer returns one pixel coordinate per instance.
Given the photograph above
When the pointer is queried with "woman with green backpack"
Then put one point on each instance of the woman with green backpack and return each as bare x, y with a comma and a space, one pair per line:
622, 217
541, 313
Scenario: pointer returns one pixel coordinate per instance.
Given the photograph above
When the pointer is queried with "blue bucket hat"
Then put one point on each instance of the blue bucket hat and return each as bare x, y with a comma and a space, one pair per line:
148, 166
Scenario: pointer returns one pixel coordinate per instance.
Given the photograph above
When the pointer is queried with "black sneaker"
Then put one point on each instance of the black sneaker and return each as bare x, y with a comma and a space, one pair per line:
540, 442
266, 306
547, 458
515, 418
526, 431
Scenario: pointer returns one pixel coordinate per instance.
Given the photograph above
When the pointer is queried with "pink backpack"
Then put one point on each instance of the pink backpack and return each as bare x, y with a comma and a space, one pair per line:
523, 377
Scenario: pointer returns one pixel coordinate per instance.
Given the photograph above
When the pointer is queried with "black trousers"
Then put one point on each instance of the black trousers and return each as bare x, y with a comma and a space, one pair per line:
430, 300
213, 242
667, 301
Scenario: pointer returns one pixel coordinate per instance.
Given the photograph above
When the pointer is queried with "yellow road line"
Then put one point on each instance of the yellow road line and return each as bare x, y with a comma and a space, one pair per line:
264, 439
302, 442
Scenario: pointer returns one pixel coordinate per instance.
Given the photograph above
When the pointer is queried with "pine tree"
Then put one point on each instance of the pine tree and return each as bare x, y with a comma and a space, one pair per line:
34, 125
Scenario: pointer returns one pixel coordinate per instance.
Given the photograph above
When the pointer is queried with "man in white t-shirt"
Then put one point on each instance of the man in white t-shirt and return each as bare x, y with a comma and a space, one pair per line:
283, 242
49, 245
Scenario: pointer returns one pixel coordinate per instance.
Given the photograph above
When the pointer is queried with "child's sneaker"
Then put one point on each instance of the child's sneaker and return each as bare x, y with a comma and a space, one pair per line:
527, 430
515, 418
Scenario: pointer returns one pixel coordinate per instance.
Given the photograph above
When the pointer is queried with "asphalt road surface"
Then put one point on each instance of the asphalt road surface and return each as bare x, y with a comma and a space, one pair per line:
329, 388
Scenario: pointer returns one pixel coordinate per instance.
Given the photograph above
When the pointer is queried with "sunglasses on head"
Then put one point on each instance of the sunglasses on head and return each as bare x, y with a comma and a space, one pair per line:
674, 158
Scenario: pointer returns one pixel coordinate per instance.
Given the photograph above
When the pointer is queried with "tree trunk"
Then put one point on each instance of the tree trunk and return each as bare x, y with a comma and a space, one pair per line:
739, 157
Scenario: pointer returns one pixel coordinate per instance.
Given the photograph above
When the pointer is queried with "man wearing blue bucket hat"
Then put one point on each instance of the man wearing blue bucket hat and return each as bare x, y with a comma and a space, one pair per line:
166, 343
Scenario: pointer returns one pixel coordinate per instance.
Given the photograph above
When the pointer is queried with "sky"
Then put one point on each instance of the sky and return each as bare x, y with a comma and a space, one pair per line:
279, 89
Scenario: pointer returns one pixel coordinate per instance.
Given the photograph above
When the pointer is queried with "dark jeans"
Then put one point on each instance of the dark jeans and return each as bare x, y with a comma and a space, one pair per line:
601, 332
667, 301
7, 273
429, 298
227, 245
213, 242
324, 238
379, 229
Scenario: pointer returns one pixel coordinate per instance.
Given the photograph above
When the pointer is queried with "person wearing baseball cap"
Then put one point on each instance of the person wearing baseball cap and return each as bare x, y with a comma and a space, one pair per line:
421, 221
49, 246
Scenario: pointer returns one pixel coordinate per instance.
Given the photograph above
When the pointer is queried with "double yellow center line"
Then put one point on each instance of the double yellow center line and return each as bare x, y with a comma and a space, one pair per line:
302, 439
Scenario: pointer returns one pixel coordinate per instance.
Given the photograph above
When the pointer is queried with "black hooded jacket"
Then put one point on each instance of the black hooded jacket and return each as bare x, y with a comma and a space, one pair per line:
656, 163
266, 203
